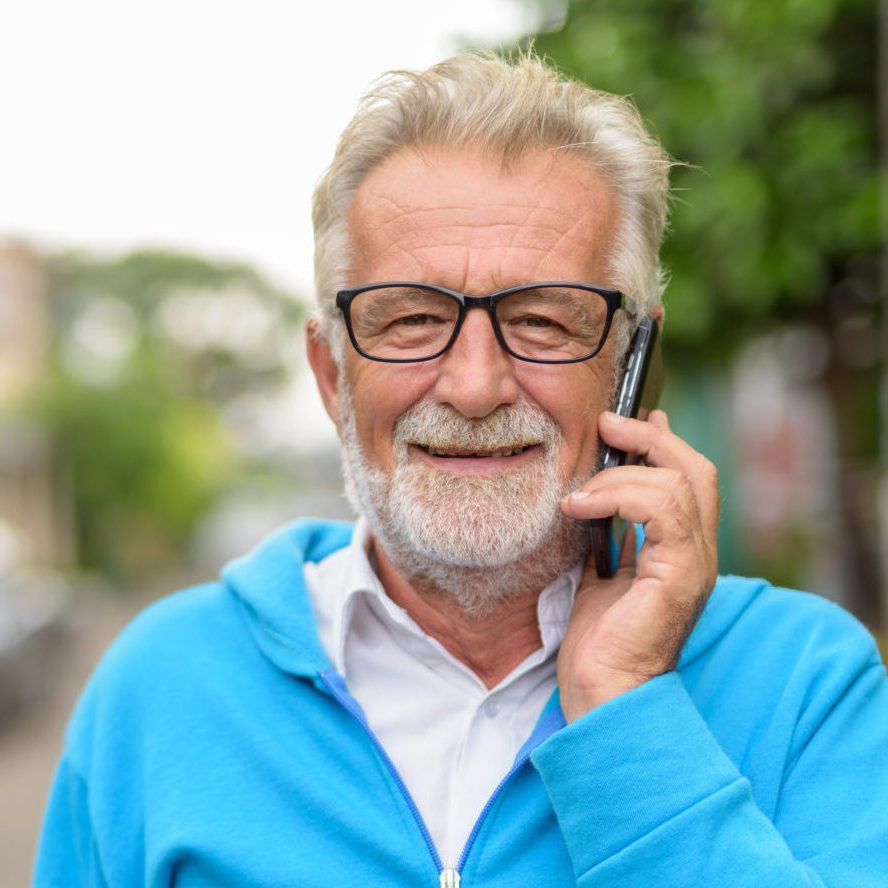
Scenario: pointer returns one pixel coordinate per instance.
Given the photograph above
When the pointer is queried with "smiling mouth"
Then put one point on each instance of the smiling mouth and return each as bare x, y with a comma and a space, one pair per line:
464, 453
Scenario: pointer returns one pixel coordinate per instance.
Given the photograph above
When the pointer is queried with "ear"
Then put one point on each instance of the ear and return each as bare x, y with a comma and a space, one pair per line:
658, 314
324, 367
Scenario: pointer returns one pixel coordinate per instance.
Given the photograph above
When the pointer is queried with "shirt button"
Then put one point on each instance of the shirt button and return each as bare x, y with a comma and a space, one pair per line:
491, 709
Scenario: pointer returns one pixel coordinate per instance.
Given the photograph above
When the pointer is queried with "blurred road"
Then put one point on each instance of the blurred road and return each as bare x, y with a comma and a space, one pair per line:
30, 745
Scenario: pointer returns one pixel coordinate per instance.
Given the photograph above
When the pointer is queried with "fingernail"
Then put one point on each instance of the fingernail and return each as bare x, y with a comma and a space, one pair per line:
579, 495
610, 416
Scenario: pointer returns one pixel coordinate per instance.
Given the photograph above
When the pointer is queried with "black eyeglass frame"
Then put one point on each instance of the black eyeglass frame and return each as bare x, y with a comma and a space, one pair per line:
614, 300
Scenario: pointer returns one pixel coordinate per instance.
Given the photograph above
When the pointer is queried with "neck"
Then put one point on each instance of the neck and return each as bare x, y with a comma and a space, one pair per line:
491, 643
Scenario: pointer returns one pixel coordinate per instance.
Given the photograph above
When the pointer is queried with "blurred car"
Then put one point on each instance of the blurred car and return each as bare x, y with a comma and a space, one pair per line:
32, 629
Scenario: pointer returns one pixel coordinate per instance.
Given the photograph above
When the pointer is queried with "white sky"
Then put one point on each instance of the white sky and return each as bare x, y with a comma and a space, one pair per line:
203, 125
196, 124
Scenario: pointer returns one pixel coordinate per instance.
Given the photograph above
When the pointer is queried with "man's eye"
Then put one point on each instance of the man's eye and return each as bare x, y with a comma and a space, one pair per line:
533, 321
416, 320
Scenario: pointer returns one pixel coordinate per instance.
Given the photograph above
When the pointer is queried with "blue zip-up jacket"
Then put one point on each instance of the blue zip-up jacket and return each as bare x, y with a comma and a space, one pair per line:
215, 746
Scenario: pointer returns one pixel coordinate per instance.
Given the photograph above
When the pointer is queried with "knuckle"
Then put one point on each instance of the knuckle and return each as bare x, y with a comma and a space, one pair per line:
679, 483
668, 501
708, 470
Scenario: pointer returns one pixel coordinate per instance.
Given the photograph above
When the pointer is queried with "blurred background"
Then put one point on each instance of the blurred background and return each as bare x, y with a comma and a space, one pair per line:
156, 413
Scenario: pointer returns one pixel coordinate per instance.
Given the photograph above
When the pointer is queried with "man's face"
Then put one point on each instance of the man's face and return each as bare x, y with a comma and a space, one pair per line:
460, 220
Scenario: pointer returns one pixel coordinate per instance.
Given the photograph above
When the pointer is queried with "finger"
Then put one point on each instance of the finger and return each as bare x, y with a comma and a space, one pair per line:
660, 447
630, 474
611, 482
659, 418
656, 443
670, 483
668, 515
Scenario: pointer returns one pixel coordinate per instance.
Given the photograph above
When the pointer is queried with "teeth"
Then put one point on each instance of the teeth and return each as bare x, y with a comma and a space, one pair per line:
505, 451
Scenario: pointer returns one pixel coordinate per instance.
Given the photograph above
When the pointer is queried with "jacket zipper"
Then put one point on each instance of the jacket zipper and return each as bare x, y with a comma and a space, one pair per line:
547, 725
448, 877
335, 684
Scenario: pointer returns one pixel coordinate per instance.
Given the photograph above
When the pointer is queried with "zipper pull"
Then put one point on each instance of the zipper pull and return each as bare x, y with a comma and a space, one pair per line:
449, 878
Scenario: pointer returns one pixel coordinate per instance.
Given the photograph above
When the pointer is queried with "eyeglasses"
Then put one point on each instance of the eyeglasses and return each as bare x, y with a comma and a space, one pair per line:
556, 322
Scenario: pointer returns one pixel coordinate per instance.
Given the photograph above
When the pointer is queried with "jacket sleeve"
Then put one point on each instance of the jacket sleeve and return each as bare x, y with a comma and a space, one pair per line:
67, 854
645, 795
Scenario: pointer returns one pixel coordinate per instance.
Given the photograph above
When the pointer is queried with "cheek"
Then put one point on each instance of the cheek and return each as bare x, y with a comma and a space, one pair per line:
574, 399
380, 395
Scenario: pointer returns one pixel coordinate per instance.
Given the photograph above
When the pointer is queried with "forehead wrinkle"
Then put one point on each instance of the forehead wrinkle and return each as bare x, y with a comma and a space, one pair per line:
526, 232
388, 249
571, 240
535, 173
490, 220
395, 211
398, 224
454, 262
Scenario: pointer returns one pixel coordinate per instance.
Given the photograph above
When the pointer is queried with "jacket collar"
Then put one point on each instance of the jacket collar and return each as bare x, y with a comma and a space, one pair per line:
269, 583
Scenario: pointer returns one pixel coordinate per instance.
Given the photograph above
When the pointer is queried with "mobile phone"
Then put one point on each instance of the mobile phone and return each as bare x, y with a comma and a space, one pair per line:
638, 394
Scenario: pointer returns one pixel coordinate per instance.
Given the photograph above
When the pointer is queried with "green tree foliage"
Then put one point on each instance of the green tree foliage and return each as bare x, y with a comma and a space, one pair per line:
148, 349
769, 106
142, 465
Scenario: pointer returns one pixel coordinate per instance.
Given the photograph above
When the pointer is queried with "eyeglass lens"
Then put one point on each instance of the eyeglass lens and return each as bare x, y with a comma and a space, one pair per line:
542, 323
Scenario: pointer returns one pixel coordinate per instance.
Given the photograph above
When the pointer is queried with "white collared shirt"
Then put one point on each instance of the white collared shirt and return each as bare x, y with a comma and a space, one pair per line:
451, 739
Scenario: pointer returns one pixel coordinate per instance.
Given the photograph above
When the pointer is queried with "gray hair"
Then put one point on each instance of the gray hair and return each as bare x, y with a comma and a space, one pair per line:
506, 107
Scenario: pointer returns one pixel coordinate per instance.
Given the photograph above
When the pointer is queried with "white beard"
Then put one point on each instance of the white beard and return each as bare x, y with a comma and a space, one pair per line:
480, 539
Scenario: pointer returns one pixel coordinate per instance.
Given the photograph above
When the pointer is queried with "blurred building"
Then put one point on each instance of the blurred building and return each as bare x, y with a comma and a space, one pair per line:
23, 320
787, 463
35, 525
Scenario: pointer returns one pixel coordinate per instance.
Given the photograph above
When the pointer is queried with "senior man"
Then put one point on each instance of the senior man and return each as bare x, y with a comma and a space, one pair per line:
448, 692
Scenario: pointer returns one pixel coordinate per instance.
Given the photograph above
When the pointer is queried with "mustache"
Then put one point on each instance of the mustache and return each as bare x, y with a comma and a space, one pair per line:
433, 425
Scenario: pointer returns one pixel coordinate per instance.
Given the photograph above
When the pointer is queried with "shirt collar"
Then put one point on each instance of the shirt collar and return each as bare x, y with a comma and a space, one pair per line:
360, 581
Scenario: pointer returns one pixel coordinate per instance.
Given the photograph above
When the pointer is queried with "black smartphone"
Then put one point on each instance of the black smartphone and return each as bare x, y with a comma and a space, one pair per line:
638, 394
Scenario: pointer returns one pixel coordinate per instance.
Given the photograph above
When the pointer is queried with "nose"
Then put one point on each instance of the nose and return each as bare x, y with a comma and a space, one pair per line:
476, 375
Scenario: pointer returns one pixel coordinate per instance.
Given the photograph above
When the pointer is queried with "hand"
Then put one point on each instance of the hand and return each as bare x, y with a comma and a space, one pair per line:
629, 628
